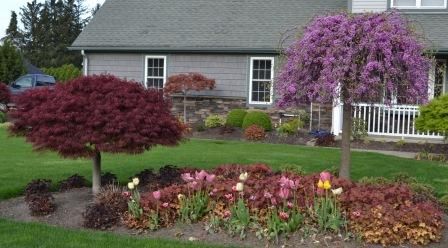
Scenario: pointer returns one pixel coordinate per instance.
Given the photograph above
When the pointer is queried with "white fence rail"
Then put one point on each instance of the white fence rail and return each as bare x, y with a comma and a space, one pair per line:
384, 120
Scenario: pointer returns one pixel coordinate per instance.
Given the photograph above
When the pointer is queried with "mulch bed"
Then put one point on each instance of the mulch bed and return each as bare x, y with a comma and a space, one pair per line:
71, 205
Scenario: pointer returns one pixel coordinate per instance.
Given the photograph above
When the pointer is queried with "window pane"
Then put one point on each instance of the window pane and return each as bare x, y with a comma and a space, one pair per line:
405, 3
161, 72
25, 82
256, 64
150, 62
433, 3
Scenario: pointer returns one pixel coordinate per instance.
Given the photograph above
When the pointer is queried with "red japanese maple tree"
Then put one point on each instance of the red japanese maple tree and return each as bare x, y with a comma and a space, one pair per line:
183, 83
91, 115
5, 95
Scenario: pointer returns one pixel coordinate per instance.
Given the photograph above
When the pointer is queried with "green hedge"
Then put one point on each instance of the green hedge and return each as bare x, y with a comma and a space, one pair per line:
2, 117
258, 118
64, 72
235, 117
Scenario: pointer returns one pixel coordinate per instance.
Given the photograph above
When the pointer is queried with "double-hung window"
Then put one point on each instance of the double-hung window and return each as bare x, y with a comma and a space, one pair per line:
261, 80
419, 4
155, 71
440, 79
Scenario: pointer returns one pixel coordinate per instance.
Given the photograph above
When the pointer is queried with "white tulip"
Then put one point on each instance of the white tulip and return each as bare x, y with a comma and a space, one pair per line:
239, 187
135, 181
244, 176
337, 191
131, 185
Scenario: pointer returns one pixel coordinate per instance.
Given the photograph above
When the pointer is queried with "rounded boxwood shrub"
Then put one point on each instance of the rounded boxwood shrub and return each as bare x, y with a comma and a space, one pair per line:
235, 117
214, 121
257, 118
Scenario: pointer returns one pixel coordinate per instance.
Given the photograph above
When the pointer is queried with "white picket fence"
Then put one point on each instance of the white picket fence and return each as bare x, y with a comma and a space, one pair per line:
384, 120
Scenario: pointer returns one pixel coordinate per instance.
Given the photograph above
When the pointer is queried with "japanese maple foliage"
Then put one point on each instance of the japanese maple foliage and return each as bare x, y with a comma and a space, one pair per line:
5, 95
183, 83
94, 114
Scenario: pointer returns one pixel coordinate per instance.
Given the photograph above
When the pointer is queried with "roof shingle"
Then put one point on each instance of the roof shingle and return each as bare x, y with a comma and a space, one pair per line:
200, 25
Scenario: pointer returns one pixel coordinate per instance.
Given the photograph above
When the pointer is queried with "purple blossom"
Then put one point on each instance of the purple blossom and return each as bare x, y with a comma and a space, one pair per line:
369, 55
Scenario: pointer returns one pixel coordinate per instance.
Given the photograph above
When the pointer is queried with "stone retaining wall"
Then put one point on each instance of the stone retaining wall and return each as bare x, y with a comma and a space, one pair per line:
199, 107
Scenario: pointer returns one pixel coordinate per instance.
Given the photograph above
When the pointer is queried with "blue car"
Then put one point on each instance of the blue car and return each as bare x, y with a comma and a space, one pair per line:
31, 81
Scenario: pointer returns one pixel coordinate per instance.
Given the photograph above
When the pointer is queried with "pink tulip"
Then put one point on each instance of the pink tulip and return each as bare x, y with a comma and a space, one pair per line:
273, 201
325, 176
193, 184
284, 182
252, 198
187, 177
201, 175
165, 205
290, 205
156, 194
234, 188
210, 178
283, 193
126, 194
284, 216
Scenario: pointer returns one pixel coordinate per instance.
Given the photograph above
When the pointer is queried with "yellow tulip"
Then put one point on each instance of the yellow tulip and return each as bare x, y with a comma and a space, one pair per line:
320, 184
327, 185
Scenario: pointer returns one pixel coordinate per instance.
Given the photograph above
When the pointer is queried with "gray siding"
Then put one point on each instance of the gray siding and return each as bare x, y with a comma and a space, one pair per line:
360, 6
229, 71
128, 66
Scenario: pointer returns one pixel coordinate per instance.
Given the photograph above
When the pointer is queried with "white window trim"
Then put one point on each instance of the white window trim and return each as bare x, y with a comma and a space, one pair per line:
251, 78
432, 81
418, 5
146, 68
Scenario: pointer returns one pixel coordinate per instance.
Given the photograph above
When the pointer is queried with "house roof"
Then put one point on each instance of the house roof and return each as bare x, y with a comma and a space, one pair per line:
214, 25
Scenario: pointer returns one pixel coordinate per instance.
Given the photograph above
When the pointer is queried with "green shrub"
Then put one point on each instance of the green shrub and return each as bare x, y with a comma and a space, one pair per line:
432, 116
235, 117
64, 72
257, 118
291, 127
2, 117
359, 129
214, 121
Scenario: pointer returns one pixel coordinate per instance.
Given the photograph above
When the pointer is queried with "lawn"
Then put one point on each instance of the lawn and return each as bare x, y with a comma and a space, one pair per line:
20, 235
19, 164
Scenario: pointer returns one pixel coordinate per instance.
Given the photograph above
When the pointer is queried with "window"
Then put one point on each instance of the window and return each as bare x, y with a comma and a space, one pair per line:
261, 80
24, 82
42, 80
155, 73
419, 4
440, 78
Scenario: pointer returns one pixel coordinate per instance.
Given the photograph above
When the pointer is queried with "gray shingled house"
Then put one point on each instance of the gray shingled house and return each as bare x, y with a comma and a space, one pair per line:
237, 42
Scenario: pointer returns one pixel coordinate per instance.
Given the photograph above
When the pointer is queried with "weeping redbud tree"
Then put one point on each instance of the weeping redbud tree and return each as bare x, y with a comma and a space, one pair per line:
184, 83
366, 58
91, 115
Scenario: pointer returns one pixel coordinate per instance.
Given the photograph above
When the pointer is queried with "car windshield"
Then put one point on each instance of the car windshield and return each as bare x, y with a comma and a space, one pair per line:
24, 82
42, 80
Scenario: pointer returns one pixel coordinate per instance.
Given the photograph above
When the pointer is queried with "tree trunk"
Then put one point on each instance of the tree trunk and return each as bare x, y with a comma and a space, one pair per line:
344, 170
96, 173
185, 107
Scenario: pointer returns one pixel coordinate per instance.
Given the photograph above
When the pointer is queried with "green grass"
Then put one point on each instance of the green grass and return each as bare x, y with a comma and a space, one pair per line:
19, 164
16, 234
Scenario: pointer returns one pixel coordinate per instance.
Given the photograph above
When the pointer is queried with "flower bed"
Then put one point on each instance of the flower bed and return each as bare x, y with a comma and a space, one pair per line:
242, 199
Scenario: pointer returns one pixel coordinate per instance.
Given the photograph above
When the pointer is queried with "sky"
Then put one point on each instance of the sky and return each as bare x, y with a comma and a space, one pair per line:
6, 6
